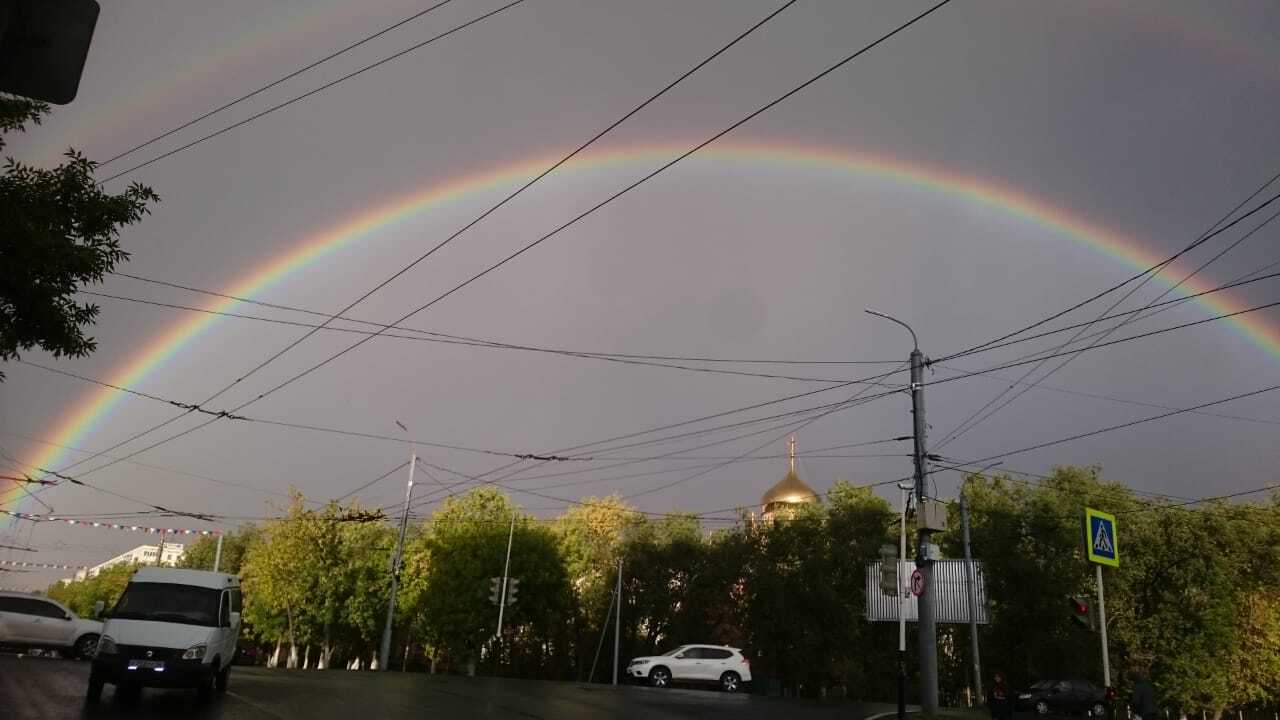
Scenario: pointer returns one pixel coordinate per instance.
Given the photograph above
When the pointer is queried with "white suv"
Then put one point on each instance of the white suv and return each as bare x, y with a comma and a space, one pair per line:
32, 621
719, 664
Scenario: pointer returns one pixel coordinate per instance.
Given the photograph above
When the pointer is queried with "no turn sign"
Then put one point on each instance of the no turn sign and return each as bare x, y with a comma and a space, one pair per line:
917, 583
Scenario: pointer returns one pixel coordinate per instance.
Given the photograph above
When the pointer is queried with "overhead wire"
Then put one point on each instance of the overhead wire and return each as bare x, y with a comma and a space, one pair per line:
274, 83
436, 247
298, 98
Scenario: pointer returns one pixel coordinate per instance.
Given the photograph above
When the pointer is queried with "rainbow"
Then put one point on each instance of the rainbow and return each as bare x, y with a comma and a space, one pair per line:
98, 403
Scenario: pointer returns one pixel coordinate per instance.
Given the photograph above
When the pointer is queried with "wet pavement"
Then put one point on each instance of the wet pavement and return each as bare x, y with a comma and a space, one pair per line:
52, 689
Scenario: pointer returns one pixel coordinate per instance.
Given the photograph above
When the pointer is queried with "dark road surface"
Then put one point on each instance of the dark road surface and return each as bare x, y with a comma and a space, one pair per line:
53, 689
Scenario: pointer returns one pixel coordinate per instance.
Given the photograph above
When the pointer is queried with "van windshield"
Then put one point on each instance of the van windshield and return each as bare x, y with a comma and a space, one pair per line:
166, 602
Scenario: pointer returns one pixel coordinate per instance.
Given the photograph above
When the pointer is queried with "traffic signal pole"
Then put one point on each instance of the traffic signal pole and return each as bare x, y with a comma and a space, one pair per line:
972, 582
506, 567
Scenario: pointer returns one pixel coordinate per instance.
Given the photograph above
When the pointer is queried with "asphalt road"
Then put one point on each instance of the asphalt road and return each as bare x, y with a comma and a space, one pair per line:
51, 689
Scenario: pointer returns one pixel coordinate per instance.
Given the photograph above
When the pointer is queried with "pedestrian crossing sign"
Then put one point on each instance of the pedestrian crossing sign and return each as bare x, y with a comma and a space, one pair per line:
1100, 537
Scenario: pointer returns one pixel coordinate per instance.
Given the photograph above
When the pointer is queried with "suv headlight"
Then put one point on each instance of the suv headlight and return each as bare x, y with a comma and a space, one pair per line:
106, 645
195, 652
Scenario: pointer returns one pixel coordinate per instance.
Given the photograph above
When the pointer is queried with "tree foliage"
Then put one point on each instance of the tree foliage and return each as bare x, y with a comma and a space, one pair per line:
58, 231
82, 595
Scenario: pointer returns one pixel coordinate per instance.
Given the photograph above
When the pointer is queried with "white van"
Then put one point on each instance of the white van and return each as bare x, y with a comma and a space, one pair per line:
170, 628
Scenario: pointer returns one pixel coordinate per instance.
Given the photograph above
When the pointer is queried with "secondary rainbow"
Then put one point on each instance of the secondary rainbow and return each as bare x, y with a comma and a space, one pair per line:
88, 414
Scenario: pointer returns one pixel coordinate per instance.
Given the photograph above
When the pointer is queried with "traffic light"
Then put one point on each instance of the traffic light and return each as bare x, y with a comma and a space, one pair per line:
889, 584
1081, 611
513, 584
495, 590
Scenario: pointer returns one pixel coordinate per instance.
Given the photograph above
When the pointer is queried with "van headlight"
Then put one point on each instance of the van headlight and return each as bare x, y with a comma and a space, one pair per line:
106, 645
195, 652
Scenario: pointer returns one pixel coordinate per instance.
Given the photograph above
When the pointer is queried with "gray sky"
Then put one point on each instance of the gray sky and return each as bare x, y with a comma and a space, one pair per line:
1147, 121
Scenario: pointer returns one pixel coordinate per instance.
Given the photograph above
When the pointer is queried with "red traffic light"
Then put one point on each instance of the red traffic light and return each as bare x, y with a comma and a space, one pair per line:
1082, 608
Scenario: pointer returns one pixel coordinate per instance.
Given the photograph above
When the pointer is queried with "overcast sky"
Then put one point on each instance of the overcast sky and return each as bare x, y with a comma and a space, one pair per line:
1147, 121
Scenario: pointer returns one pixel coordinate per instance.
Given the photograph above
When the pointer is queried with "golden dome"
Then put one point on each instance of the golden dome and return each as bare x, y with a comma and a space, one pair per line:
789, 491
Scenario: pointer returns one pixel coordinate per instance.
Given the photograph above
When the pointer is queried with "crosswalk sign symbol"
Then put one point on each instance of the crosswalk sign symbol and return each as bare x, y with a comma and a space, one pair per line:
1100, 537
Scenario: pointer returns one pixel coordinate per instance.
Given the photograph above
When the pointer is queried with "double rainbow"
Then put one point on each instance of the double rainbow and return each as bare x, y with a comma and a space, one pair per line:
78, 425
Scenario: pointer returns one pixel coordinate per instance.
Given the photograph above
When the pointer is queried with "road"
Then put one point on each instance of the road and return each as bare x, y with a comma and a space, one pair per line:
51, 689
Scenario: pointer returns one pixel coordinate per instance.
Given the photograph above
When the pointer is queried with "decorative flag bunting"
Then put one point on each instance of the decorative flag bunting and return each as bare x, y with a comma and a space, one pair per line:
45, 566
110, 525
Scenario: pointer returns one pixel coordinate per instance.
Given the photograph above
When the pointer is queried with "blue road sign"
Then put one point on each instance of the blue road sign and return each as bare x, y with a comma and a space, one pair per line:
1100, 537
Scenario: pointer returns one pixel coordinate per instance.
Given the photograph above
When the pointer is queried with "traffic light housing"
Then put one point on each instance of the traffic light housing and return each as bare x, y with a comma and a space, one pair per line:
889, 583
1081, 611
495, 590
513, 584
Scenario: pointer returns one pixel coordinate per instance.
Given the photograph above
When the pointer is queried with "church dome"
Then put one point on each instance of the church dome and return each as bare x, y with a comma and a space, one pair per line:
790, 491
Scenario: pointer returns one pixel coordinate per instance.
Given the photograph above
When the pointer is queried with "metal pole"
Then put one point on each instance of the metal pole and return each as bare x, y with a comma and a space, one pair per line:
617, 620
217, 554
926, 625
384, 653
1102, 624
971, 580
928, 631
902, 606
502, 599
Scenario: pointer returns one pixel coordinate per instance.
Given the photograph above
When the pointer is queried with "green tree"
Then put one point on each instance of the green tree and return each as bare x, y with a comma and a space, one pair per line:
462, 547
199, 555
82, 595
58, 231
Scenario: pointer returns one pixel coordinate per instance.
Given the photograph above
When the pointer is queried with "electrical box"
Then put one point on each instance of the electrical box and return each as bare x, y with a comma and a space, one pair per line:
932, 516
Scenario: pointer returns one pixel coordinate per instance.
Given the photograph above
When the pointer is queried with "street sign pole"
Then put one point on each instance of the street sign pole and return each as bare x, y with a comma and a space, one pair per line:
1102, 624
1102, 547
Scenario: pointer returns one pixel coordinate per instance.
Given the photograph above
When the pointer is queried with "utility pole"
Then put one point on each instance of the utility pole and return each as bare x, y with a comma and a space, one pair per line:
926, 625
617, 619
160, 549
972, 581
502, 599
217, 554
384, 653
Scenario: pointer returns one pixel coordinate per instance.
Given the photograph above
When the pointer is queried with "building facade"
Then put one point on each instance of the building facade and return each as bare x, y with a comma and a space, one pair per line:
141, 555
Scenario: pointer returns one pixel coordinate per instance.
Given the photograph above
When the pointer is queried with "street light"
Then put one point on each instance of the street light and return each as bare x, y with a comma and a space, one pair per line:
928, 632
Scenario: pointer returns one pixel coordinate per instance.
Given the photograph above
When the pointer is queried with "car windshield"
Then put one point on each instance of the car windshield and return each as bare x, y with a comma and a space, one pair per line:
167, 602
669, 653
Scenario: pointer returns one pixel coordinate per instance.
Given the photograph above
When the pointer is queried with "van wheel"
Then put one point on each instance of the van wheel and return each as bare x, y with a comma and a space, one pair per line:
94, 693
223, 679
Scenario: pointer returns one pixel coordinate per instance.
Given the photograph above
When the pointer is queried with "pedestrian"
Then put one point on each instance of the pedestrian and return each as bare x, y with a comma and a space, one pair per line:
998, 699
1143, 702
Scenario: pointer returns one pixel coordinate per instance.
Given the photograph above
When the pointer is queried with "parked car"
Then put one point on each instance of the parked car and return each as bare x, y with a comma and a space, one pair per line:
719, 664
32, 621
1065, 696
170, 628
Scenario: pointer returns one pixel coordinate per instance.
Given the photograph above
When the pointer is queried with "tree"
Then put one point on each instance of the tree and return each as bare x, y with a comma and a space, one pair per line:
82, 595
462, 547
199, 555
58, 231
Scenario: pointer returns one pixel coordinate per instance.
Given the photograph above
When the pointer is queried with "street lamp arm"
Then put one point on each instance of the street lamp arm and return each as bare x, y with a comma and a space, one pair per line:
915, 344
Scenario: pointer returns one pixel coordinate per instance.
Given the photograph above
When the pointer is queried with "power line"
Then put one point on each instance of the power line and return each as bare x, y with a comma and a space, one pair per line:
310, 93
493, 344
462, 339
439, 245
1129, 424
274, 83
978, 417
1113, 288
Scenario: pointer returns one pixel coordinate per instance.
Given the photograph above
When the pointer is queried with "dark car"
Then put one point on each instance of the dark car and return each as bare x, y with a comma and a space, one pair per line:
1064, 697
